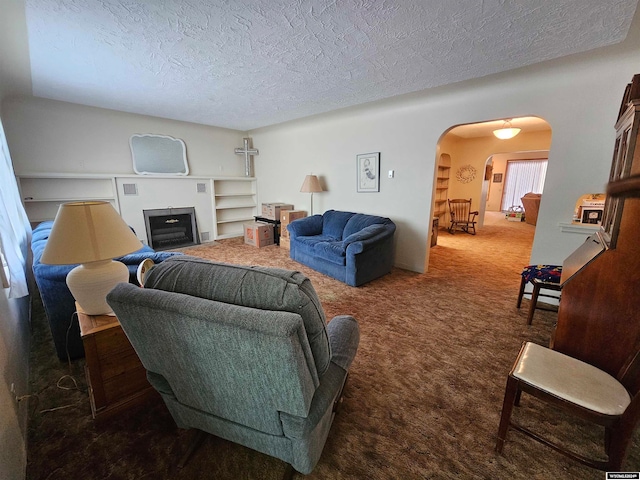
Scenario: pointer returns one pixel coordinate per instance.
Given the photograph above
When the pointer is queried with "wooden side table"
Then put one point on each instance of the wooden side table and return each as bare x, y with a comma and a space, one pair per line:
116, 378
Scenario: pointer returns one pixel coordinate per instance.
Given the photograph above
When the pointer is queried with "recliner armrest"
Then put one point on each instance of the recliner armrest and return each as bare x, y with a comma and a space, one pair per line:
344, 337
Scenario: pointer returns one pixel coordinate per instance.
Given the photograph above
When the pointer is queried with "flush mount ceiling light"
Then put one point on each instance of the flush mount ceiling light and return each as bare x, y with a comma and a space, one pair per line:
507, 131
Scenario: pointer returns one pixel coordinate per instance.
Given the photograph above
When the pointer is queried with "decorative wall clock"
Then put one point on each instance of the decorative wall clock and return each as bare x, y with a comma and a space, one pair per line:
466, 173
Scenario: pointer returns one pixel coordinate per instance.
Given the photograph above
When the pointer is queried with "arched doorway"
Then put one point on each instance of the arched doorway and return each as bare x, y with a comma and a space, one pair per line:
478, 161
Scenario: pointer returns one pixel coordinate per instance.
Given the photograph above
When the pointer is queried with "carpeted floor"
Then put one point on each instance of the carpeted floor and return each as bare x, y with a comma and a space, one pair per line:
423, 399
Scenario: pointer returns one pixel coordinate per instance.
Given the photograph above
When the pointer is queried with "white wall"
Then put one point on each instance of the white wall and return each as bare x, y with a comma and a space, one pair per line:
579, 97
51, 136
14, 313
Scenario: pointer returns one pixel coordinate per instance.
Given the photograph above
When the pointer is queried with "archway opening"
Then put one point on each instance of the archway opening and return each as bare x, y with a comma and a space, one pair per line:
471, 162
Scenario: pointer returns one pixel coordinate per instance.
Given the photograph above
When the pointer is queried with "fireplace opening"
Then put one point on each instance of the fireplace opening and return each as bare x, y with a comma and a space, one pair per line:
171, 227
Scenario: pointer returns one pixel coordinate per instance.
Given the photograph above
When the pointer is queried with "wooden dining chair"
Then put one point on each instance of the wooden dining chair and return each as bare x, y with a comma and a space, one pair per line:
580, 389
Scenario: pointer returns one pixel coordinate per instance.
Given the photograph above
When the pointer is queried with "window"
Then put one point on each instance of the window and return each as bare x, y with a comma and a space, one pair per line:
522, 176
15, 231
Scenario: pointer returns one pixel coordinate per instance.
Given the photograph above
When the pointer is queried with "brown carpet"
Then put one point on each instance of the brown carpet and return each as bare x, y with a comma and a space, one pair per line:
423, 399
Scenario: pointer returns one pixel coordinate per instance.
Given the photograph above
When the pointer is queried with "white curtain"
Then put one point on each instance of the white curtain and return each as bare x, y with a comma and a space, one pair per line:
522, 176
15, 230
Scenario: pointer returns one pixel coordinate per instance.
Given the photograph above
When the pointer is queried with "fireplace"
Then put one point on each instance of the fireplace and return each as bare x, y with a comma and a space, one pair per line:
171, 227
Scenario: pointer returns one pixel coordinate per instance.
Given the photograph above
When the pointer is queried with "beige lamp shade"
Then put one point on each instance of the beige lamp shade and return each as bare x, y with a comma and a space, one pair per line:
87, 232
311, 184
91, 234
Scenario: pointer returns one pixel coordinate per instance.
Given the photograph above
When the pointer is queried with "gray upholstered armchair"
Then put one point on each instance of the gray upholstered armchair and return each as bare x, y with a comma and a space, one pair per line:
243, 353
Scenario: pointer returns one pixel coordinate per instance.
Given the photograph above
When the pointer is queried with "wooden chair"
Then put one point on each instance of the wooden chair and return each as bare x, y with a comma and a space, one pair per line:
461, 216
581, 389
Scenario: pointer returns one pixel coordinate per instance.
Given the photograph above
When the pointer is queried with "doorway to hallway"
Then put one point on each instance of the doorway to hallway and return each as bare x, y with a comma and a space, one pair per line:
479, 167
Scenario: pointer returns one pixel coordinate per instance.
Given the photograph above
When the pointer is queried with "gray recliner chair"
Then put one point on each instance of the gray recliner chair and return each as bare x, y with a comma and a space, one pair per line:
243, 353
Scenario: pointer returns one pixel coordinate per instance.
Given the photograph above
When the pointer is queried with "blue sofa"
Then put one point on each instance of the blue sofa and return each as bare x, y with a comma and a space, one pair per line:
351, 247
58, 303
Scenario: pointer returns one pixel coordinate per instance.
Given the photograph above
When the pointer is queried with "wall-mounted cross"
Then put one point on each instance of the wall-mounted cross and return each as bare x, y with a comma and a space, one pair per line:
248, 152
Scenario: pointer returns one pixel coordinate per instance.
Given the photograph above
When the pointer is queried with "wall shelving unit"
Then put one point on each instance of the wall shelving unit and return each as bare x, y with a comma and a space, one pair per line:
443, 174
42, 194
235, 204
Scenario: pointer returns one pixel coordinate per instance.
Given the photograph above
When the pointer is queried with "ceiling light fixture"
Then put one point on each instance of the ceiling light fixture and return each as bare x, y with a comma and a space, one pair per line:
507, 131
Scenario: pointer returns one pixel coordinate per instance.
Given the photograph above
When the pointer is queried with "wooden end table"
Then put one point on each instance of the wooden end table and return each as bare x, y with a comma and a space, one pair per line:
116, 378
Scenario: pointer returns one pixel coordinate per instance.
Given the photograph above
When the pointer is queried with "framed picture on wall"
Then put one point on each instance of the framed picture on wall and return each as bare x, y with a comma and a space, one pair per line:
368, 172
497, 178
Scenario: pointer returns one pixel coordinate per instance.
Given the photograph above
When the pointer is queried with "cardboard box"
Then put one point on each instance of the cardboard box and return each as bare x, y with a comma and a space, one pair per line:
515, 217
272, 210
288, 216
258, 234
285, 242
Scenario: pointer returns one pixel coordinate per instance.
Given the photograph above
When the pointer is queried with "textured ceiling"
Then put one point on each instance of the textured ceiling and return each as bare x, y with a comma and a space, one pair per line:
247, 64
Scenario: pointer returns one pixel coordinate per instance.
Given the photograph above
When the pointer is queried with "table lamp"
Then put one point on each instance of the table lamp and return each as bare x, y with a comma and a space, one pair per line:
311, 185
91, 234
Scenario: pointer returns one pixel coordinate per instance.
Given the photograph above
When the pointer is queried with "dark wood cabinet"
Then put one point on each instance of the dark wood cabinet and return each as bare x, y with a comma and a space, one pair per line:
599, 315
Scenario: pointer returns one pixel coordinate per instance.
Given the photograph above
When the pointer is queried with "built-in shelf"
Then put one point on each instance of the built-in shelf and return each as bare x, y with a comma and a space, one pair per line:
235, 205
42, 194
442, 189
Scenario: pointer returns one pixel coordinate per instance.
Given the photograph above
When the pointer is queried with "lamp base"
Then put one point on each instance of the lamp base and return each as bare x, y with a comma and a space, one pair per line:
89, 284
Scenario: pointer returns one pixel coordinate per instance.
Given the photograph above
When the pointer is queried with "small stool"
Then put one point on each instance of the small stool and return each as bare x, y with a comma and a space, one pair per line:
540, 276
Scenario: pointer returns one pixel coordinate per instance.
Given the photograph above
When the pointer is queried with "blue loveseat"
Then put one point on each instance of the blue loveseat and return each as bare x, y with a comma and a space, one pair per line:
351, 247
57, 300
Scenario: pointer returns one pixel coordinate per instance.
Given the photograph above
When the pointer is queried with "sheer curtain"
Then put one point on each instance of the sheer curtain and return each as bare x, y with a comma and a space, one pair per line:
522, 176
15, 230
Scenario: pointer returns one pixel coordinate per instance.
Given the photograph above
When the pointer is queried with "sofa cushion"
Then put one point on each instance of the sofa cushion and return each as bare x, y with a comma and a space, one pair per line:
334, 252
254, 287
313, 240
333, 223
359, 221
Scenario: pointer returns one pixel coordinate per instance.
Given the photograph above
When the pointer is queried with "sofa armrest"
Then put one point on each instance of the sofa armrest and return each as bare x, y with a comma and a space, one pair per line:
364, 234
306, 226
362, 244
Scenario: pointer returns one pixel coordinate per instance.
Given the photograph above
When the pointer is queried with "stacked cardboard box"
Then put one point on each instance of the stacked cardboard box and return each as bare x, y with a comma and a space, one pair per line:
272, 210
286, 217
258, 234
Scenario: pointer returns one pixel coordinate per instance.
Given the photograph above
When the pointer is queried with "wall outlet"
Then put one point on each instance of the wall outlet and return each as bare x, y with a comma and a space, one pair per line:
391, 173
